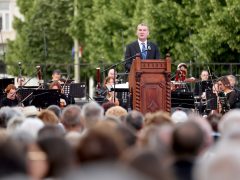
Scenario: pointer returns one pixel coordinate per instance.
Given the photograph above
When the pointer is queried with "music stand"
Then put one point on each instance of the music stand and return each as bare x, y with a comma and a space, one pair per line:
211, 100
206, 85
23, 93
77, 90
43, 98
182, 99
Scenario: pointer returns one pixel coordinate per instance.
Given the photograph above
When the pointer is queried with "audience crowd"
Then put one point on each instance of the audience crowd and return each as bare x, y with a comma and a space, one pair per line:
107, 142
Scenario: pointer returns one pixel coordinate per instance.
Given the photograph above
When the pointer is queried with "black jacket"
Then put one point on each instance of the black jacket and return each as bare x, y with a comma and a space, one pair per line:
133, 48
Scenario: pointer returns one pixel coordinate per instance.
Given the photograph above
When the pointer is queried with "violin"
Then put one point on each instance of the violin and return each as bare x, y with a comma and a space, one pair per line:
180, 75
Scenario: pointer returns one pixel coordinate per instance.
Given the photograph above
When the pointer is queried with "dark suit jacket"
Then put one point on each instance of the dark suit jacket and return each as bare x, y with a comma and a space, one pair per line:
133, 48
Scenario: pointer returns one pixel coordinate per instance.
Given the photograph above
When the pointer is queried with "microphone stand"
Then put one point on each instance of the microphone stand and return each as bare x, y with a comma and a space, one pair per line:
216, 90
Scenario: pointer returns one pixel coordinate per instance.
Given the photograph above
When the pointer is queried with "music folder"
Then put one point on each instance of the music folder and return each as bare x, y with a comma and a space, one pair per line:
42, 98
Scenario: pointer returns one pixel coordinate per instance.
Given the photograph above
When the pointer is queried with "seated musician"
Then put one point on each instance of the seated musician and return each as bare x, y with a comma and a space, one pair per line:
232, 80
56, 76
181, 77
20, 81
228, 96
11, 98
200, 87
108, 84
64, 100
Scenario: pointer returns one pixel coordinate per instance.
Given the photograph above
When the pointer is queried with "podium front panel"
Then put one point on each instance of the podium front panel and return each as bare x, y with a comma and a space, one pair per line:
150, 85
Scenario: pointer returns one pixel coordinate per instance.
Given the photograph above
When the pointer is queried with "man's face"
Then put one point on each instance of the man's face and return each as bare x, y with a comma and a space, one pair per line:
56, 77
204, 76
232, 81
142, 32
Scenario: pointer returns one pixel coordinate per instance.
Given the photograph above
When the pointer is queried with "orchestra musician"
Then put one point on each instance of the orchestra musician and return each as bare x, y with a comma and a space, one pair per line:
57, 76
232, 80
228, 96
181, 78
11, 97
108, 84
202, 85
20, 81
64, 100
112, 73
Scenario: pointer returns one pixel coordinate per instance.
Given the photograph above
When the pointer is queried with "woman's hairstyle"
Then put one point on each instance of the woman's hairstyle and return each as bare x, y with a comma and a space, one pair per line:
55, 83
225, 81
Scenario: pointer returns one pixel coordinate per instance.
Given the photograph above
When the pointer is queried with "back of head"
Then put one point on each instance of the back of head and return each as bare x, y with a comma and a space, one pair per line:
117, 111
229, 122
14, 123
31, 126
6, 113
135, 119
225, 164
157, 118
188, 138
51, 131
56, 109
48, 117
12, 160
71, 116
99, 146
179, 116
92, 112
59, 155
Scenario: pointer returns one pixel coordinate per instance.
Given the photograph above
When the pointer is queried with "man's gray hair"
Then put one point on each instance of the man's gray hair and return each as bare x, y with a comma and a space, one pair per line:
92, 112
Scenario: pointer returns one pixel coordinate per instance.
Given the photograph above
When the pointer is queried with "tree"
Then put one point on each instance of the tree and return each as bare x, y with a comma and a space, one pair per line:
42, 36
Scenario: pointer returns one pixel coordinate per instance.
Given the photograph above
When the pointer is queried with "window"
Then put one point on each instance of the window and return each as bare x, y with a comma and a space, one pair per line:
5, 20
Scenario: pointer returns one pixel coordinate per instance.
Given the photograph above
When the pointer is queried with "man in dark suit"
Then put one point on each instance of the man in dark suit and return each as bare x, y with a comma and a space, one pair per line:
147, 50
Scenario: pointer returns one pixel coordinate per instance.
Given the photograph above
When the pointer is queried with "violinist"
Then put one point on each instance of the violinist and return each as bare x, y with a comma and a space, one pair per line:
181, 77
181, 72
228, 96
57, 76
108, 84
11, 98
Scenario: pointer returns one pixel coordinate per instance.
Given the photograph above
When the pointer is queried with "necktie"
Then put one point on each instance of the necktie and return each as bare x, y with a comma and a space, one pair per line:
144, 52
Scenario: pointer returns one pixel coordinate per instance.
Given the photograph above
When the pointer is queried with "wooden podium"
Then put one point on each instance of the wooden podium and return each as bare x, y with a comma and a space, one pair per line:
149, 84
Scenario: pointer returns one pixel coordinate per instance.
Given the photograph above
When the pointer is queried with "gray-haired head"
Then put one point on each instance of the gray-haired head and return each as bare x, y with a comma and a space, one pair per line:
230, 121
92, 112
56, 109
6, 113
14, 123
31, 126
71, 117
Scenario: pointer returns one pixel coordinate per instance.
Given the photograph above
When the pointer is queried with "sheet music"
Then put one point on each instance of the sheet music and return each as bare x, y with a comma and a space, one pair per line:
121, 86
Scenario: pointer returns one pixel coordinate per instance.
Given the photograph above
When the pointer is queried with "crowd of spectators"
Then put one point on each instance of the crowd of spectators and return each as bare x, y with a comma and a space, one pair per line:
107, 142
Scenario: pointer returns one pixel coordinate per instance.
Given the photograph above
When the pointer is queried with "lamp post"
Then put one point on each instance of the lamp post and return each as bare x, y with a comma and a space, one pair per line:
76, 49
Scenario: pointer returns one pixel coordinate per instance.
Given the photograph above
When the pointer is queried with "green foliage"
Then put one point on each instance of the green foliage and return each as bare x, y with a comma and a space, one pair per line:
42, 35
